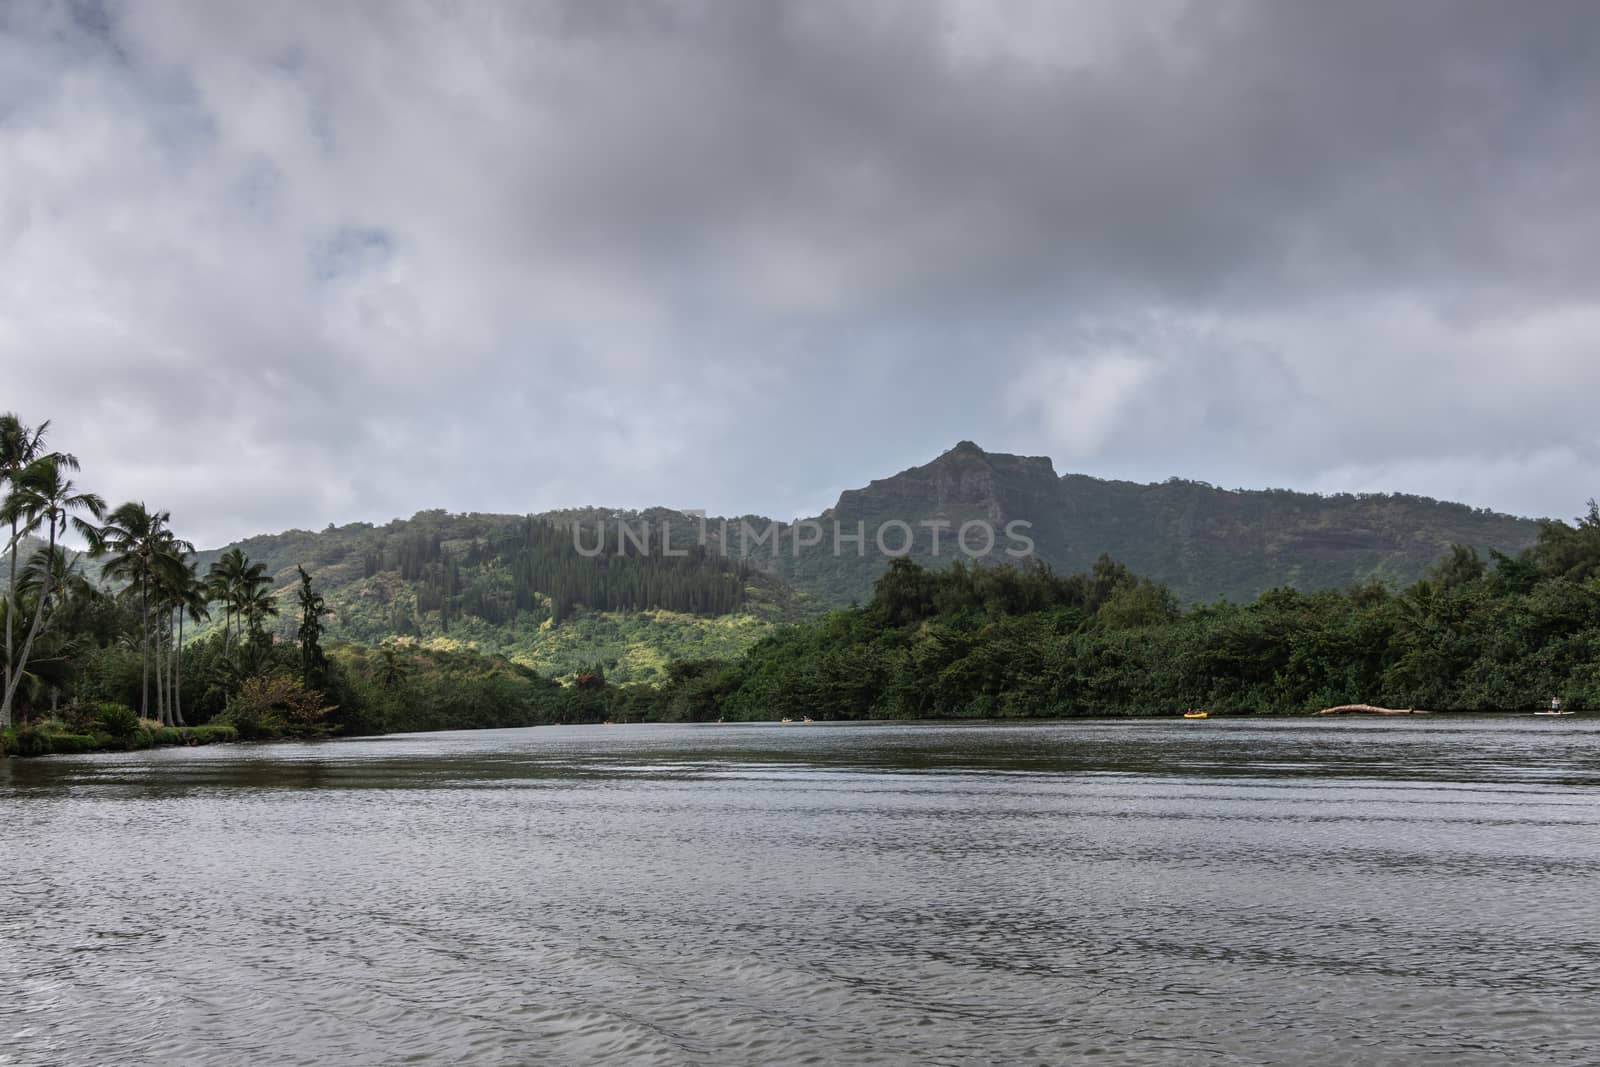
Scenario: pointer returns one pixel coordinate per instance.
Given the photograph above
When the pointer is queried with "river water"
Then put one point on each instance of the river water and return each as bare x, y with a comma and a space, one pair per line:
1143, 892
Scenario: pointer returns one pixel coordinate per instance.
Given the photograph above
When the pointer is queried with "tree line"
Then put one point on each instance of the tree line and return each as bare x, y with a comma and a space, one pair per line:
68, 634
1475, 634
533, 567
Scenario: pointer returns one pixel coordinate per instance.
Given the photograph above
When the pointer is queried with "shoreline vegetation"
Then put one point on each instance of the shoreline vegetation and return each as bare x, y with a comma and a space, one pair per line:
56, 738
112, 662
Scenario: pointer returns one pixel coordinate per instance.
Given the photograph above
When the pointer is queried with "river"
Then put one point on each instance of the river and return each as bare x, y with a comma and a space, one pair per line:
1140, 892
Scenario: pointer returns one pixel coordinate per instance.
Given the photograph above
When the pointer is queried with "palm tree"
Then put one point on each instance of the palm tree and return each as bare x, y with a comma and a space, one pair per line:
145, 553
391, 669
191, 599
256, 603
40, 495
50, 663
172, 594
223, 577
233, 580
20, 447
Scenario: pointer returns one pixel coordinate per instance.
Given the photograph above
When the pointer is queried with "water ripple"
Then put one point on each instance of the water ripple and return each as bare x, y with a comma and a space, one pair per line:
1138, 893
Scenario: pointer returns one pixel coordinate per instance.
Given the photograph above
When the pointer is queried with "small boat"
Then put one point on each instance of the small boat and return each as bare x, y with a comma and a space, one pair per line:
1196, 715
788, 720
1555, 713
807, 719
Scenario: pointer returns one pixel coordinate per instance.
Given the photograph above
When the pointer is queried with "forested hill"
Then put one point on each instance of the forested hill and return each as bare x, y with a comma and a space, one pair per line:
1205, 542
520, 585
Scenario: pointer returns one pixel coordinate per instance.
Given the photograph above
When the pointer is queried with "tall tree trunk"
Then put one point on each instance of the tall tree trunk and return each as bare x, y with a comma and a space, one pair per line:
144, 658
11, 598
166, 668
164, 630
155, 655
13, 672
177, 675
166, 645
172, 670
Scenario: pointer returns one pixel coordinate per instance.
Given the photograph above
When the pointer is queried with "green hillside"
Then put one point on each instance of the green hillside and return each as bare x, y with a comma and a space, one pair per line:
518, 586
562, 591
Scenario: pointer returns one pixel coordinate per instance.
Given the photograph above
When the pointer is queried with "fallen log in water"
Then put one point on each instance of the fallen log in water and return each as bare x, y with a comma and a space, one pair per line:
1368, 709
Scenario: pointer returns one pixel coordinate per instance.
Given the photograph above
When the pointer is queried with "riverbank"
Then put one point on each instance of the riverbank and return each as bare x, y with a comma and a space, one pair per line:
53, 737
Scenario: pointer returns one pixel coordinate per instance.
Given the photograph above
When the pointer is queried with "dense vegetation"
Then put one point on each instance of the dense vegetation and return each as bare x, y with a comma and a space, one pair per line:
96, 652
535, 567
518, 586
131, 644
1505, 633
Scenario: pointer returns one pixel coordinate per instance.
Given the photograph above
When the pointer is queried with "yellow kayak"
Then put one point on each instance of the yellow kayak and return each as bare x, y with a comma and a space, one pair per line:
1196, 715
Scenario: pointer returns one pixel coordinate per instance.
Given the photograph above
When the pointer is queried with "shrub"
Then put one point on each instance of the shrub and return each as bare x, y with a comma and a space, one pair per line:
212, 733
276, 705
26, 741
32, 741
74, 743
118, 720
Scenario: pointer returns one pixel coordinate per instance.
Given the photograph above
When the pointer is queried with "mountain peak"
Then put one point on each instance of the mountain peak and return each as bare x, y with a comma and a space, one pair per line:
963, 482
971, 450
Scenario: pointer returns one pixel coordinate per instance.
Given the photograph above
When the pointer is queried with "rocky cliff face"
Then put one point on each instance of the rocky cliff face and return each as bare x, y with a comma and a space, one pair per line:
962, 484
1204, 541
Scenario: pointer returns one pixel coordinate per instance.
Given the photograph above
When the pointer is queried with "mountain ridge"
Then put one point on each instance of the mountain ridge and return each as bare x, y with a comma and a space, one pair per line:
1204, 541
1080, 516
513, 584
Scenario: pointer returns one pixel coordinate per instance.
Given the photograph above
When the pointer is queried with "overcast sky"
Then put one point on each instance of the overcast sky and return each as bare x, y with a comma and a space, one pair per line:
274, 265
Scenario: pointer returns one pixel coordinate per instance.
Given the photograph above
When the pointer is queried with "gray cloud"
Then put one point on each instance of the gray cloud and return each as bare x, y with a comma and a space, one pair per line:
276, 267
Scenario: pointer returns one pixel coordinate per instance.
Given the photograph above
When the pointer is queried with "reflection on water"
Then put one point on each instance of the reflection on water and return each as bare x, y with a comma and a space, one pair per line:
1138, 892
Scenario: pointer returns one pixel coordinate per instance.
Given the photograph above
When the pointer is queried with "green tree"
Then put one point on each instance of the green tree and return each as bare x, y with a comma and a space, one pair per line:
1571, 552
42, 496
313, 609
391, 668
235, 581
20, 447
256, 604
1460, 565
190, 598
146, 555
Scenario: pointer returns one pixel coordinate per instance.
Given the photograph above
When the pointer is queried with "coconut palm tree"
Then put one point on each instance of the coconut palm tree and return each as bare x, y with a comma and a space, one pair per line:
172, 567
20, 447
223, 577
144, 553
51, 659
256, 603
41, 495
233, 580
190, 599
58, 653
